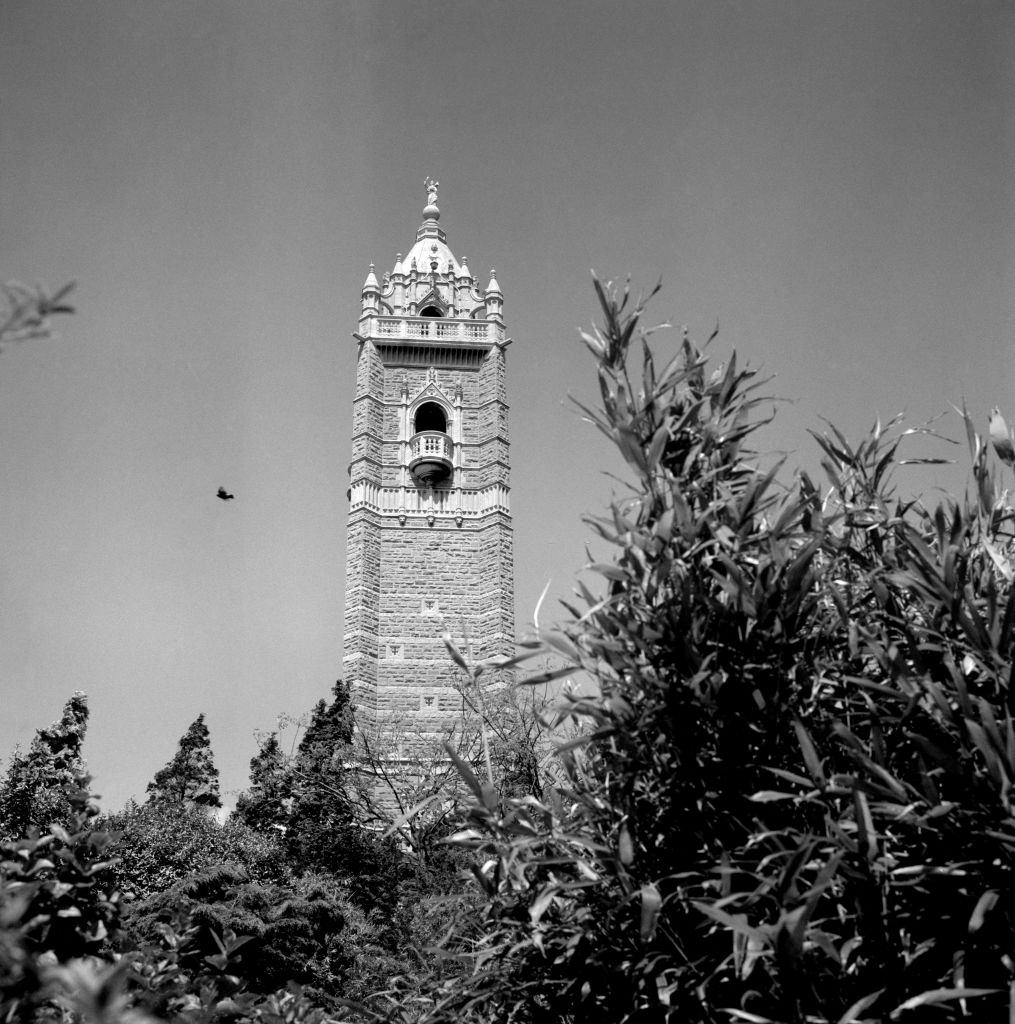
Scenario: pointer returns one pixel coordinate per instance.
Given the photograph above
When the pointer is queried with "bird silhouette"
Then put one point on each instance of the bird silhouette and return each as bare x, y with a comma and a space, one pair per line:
1001, 437
225, 495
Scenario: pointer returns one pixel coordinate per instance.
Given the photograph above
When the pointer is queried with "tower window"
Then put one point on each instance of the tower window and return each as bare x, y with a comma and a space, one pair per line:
430, 311
430, 416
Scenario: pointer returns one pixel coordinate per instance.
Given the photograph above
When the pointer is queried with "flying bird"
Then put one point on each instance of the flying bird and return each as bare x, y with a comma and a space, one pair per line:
225, 495
1001, 437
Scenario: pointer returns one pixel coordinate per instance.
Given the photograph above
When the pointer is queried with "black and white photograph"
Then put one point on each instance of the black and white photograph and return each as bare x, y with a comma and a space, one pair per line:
507, 511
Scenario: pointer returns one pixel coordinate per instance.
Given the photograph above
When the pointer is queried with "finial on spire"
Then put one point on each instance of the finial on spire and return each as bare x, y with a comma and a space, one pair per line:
430, 211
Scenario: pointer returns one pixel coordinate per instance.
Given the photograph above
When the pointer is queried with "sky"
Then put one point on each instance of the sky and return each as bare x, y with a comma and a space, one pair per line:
830, 182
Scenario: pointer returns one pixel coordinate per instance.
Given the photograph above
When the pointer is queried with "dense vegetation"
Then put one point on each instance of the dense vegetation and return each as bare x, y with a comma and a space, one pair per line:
784, 796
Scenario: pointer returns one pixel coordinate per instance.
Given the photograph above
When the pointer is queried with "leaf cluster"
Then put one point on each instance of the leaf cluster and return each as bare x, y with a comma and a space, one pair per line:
26, 312
58, 902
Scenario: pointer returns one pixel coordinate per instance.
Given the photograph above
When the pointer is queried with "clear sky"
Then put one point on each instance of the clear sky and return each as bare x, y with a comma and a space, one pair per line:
831, 182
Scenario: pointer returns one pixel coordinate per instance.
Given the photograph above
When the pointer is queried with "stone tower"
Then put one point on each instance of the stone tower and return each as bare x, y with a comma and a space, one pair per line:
429, 548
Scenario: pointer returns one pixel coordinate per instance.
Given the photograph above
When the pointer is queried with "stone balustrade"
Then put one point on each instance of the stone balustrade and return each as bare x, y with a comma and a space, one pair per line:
431, 455
443, 503
396, 328
433, 444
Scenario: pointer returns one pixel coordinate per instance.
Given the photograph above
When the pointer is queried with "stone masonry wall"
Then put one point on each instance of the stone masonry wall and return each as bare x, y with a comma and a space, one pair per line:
410, 580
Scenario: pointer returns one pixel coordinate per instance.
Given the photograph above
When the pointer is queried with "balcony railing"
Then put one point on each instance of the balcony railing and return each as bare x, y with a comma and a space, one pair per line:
457, 501
396, 328
431, 454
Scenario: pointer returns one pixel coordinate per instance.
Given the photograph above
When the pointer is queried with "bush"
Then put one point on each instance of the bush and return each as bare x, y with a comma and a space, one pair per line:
160, 843
792, 800
58, 902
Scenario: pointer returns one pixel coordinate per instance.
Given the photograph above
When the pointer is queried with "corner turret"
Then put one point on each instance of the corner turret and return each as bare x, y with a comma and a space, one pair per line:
494, 299
371, 293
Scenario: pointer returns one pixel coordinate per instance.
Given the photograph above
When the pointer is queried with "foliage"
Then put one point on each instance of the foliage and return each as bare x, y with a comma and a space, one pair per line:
309, 803
57, 902
160, 844
293, 931
265, 807
175, 978
25, 312
39, 785
60, 921
792, 801
69, 945
191, 777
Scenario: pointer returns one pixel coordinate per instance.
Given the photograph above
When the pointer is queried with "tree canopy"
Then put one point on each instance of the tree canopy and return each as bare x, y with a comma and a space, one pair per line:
190, 777
35, 790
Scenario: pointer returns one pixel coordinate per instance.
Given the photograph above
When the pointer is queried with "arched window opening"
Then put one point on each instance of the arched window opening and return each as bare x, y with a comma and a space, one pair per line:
430, 416
430, 311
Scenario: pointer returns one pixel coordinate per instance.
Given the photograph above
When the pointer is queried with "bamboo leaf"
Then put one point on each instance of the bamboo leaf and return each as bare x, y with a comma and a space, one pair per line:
465, 771
859, 1006
983, 905
939, 995
651, 902
811, 758
409, 815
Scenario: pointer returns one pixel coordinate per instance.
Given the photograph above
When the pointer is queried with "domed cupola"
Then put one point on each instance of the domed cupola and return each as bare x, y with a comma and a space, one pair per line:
430, 283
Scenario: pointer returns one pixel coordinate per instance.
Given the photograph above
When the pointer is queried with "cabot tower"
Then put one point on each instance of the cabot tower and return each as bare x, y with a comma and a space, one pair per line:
429, 540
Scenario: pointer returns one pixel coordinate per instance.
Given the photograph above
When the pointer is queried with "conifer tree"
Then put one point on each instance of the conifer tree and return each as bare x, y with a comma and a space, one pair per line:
265, 806
321, 802
323, 832
190, 778
35, 791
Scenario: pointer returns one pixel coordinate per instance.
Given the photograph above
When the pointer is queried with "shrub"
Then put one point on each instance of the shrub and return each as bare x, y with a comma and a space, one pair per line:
792, 799
58, 902
159, 844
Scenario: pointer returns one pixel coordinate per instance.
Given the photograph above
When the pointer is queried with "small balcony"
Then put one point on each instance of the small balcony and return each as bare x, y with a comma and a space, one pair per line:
430, 456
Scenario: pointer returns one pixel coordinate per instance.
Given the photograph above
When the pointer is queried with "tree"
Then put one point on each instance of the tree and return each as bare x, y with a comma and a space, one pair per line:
323, 831
191, 777
35, 791
265, 806
791, 801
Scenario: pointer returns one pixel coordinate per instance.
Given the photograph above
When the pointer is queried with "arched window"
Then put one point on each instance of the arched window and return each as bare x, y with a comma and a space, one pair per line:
430, 311
430, 416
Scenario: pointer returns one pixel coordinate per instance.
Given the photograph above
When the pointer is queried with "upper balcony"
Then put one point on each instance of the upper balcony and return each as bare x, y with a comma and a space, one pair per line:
431, 454
460, 333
